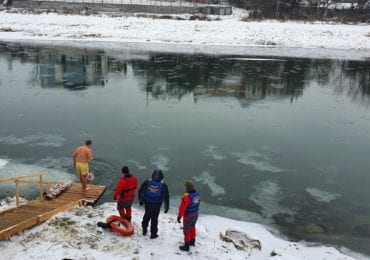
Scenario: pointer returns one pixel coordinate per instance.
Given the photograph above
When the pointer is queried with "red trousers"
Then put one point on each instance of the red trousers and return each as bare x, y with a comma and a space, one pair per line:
189, 227
125, 212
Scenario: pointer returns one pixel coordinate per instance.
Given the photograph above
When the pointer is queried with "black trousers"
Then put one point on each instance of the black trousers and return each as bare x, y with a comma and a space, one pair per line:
151, 214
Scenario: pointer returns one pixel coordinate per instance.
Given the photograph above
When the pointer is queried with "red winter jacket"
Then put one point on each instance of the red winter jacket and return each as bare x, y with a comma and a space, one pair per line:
126, 188
185, 202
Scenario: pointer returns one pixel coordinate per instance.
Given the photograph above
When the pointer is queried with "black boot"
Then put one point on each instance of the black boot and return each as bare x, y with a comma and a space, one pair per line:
152, 236
145, 230
192, 242
103, 225
185, 247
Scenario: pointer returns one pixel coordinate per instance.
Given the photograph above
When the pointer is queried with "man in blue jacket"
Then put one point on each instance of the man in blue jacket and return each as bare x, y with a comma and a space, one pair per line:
152, 193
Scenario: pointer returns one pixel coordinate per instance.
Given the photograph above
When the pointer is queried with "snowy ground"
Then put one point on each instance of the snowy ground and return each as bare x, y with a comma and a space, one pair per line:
74, 235
224, 34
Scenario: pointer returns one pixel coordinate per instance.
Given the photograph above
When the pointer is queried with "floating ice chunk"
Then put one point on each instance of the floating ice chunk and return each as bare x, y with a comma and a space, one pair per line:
257, 160
209, 180
34, 140
329, 169
137, 164
268, 195
267, 148
211, 152
161, 162
3, 163
322, 196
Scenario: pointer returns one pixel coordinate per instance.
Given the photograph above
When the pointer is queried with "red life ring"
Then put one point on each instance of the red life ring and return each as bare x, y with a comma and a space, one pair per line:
120, 225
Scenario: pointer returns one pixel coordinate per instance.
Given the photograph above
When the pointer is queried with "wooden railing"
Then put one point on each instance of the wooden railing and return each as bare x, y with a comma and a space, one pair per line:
25, 179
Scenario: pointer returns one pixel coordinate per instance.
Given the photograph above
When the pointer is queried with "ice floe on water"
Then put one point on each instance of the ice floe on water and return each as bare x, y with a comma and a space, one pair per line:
137, 164
322, 196
268, 195
257, 160
328, 169
40, 139
267, 148
212, 152
160, 161
3, 163
209, 180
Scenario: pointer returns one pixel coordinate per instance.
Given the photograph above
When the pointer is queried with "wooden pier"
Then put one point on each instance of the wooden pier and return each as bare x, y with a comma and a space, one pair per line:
15, 220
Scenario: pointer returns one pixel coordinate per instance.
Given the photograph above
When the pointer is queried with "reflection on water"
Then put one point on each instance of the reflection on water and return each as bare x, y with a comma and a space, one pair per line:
177, 75
283, 139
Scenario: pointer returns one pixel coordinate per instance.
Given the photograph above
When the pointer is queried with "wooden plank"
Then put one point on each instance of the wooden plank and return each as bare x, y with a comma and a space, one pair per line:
32, 207
49, 214
17, 216
79, 191
22, 177
8, 210
17, 228
17, 193
7, 221
53, 204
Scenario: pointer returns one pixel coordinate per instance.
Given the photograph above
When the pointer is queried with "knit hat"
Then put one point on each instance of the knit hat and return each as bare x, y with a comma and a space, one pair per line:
125, 170
190, 186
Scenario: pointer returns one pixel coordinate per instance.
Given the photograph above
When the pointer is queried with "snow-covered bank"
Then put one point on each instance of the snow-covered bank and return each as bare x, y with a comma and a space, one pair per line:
228, 35
10, 202
75, 235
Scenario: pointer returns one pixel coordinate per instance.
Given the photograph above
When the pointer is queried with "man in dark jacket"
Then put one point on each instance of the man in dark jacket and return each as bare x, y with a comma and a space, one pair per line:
152, 193
188, 210
125, 193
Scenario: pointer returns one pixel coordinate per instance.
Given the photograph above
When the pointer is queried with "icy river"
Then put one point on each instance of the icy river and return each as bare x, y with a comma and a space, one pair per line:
279, 141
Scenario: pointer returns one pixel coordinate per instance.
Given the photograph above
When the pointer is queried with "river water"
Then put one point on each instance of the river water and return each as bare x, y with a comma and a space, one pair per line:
279, 141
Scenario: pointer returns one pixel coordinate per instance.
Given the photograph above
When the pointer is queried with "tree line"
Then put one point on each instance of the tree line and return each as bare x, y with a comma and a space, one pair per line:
335, 10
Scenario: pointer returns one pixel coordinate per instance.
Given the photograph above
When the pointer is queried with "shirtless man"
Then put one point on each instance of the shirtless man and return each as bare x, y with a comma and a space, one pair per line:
81, 158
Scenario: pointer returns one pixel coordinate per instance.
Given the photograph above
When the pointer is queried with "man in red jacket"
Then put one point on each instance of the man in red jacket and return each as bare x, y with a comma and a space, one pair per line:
188, 209
125, 193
